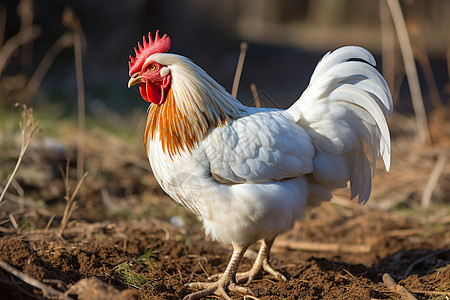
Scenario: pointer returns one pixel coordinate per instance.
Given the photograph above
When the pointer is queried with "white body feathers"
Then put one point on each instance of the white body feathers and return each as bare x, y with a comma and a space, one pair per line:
254, 177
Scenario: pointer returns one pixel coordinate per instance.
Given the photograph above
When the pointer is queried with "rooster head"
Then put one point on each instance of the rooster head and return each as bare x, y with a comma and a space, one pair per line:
152, 77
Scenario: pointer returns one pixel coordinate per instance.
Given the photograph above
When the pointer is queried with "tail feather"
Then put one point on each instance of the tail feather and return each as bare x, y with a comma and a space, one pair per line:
369, 76
341, 55
345, 106
360, 185
358, 97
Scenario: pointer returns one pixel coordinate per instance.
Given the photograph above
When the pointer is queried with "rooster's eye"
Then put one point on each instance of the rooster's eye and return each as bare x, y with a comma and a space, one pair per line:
152, 67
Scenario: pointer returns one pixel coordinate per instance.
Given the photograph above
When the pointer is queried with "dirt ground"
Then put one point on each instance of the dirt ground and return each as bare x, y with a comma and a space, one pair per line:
414, 253
127, 240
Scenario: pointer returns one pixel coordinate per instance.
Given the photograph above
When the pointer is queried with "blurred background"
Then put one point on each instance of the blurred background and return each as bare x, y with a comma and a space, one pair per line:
286, 38
68, 60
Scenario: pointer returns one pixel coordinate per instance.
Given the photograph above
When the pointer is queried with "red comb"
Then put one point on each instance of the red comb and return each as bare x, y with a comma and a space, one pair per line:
159, 45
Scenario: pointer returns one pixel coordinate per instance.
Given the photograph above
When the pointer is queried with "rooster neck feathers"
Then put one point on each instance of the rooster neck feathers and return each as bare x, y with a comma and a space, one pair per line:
195, 104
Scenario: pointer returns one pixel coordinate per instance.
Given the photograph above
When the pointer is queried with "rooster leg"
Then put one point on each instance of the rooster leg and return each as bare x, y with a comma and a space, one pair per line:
226, 282
261, 263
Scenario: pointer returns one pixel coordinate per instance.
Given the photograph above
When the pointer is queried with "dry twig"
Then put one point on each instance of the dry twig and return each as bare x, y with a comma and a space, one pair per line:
46, 290
397, 288
71, 205
70, 20
2, 23
250, 297
387, 45
322, 247
431, 293
81, 105
13, 221
62, 42
405, 232
255, 95
27, 128
433, 179
433, 90
50, 221
240, 65
411, 70
15, 42
25, 10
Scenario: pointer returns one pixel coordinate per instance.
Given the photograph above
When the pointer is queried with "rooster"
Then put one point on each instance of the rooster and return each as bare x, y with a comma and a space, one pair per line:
249, 173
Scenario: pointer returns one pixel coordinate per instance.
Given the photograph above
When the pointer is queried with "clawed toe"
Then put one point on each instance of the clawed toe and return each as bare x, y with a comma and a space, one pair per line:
215, 276
240, 289
208, 289
277, 274
261, 263
244, 277
252, 274
215, 288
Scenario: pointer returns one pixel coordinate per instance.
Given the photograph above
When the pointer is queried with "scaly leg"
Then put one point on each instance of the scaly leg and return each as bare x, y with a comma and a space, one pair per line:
226, 282
261, 263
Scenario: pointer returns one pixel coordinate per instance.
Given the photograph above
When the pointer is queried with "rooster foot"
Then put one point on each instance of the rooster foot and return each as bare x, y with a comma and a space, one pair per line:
257, 268
226, 283
219, 288
250, 275
261, 263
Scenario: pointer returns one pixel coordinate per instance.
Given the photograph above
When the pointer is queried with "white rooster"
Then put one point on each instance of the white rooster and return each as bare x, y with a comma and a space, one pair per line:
248, 172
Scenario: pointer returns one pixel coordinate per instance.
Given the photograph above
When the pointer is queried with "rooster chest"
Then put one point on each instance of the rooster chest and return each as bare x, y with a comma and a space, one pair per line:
180, 176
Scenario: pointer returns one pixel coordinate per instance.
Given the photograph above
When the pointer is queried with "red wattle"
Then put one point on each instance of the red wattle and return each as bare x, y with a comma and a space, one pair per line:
154, 93
142, 90
151, 93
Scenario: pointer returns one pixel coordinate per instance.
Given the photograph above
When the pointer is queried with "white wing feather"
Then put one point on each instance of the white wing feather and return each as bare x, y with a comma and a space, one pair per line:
262, 147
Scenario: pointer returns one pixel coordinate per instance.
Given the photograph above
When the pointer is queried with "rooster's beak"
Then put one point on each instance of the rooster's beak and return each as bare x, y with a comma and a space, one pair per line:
135, 79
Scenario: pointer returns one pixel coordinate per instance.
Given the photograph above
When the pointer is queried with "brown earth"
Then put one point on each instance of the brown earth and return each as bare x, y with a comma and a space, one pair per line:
122, 242
414, 253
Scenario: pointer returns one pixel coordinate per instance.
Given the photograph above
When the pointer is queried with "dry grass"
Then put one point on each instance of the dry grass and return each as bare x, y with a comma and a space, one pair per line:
419, 177
28, 127
71, 204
